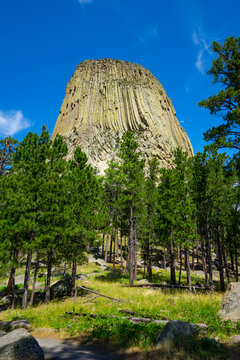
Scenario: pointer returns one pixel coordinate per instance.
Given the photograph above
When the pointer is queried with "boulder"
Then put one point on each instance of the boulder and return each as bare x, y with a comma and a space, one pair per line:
104, 267
143, 281
101, 262
19, 345
174, 331
82, 276
235, 339
7, 300
61, 288
12, 325
230, 309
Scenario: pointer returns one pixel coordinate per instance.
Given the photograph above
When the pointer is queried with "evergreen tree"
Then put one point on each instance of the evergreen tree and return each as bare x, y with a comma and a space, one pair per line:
226, 71
81, 209
131, 177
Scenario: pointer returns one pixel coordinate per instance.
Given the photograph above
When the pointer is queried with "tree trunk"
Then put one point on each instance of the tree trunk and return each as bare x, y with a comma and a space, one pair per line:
135, 247
193, 257
225, 262
231, 256
103, 236
204, 259
209, 256
114, 249
10, 281
172, 260
111, 243
131, 248
34, 279
26, 279
13, 287
188, 269
121, 250
149, 255
106, 249
49, 273
117, 238
220, 259
74, 273
164, 258
180, 261
197, 252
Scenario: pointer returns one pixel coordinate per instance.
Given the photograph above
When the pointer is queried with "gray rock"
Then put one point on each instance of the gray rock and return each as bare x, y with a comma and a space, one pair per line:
20, 345
173, 331
101, 262
104, 267
230, 309
2, 333
82, 276
12, 325
235, 339
143, 281
7, 300
61, 288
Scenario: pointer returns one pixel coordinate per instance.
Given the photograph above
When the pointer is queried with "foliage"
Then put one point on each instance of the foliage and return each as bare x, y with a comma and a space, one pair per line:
226, 71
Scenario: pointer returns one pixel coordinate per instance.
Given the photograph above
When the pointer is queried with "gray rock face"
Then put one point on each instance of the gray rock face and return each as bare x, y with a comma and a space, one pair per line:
107, 97
173, 331
230, 309
20, 345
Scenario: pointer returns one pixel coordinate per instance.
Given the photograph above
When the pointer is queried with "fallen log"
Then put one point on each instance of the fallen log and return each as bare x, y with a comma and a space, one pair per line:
134, 320
172, 286
97, 293
90, 300
130, 312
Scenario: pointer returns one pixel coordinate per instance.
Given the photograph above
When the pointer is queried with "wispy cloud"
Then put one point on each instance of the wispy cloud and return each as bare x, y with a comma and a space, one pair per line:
11, 122
83, 2
199, 39
150, 33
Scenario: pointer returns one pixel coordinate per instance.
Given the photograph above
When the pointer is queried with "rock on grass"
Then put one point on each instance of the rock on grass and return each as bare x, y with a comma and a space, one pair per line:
19, 345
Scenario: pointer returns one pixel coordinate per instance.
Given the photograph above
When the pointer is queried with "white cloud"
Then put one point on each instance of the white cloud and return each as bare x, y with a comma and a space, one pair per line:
11, 122
199, 39
83, 2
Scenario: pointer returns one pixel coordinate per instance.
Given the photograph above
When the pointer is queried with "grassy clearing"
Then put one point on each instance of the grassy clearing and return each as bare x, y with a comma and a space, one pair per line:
145, 302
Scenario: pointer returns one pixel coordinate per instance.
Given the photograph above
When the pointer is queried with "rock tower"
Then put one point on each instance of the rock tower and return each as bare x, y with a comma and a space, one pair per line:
106, 97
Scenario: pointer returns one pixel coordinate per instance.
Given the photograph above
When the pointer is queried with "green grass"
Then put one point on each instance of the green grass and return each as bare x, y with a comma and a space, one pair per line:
145, 302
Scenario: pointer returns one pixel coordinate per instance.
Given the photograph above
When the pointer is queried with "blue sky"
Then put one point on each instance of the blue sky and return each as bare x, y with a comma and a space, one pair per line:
42, 41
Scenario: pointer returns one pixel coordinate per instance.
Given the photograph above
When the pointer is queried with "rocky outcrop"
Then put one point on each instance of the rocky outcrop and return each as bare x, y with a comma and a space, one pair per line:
104, 98
173, 331
19, 345
230, 309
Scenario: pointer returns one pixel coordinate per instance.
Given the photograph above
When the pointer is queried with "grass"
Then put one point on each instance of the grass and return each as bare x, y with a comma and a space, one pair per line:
145, 302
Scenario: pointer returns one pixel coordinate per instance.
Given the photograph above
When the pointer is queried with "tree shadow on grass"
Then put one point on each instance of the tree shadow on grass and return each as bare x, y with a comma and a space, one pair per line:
113, 276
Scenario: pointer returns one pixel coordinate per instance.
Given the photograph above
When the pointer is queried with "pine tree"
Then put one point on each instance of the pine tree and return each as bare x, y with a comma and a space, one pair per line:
131, 178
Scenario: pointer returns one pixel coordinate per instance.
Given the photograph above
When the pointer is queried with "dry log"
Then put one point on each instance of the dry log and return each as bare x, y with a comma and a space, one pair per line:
130, 312
90, 300
97, 293
172, 286
134, 320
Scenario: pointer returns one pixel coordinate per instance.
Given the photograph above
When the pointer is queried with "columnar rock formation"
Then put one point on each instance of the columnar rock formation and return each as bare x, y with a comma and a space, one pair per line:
104, 98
